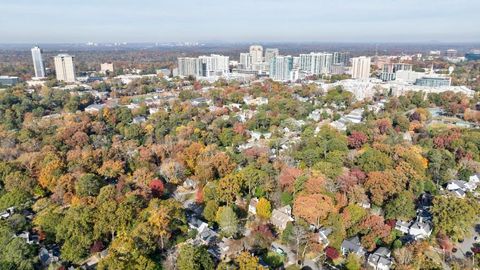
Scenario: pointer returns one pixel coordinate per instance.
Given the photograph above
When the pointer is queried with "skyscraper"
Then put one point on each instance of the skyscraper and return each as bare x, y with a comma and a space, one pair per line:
65, 68
245, 61
281, 68
316, 63
38, 62
256, 52
188, 66
270, 53
341, 58
214, 65
361, 67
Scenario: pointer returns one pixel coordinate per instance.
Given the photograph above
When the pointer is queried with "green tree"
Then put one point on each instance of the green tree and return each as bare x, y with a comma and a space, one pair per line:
88, 185
374, 160
353, 262
76, 232
210, 210
227, 220
19, 254
124, 254
454, 216
401, 207
106, 220
246, 261
194, 258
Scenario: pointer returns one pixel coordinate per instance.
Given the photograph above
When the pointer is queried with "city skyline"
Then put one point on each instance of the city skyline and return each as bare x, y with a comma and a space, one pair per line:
55, 21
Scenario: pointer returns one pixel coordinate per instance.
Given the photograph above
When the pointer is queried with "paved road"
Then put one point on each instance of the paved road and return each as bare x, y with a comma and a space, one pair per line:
467, 244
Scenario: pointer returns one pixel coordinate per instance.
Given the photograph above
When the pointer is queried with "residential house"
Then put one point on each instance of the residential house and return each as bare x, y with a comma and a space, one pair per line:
352, 245
94, 108
133, 106
474, 179
459, 187
49, 256
281, 216
190, 184
139, 119
7, 213
205, 236
255, 101
29, 237
196, 224
198, 101
93, 260
323, 236
252, 206
380, 259
403, 226
420, 229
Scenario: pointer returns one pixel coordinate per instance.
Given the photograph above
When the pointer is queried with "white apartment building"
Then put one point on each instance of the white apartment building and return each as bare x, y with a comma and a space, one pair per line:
361, 67
281, 68
316, 63
189, 66
65, 68
256, 52
245, 61
38, 62
214, 65
270, 53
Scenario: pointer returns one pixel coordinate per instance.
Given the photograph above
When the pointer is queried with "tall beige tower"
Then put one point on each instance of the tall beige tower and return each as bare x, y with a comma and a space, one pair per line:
256, 52
65, 68
361, 67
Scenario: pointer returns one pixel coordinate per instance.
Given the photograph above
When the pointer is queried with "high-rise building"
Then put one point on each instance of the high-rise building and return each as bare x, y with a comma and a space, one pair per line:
38, 62
65, 68
316, 63
361, 67
245, 61
341, 58
256, 52
189, 66
389, 71
281, 68
270, 53
451, 53
214, 65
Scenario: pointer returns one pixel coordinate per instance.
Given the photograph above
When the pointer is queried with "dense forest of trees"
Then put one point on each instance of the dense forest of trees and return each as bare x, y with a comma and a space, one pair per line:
97, 181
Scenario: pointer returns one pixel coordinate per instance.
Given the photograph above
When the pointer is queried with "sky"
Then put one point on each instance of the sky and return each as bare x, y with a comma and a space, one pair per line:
71, 21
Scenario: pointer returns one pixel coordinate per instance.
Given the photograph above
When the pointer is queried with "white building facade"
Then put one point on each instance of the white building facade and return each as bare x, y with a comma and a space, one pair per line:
38, 62
65, 67
361, 67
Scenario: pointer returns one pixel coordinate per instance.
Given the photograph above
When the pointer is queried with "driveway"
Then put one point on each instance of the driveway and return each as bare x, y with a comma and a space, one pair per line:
291, 256
311, 265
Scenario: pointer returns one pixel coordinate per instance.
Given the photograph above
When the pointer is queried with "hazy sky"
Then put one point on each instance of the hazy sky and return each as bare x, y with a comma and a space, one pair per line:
50, 21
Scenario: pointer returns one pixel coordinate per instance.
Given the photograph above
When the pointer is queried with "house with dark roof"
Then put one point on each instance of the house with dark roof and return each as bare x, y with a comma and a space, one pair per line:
352, 245
323, 234
380, 259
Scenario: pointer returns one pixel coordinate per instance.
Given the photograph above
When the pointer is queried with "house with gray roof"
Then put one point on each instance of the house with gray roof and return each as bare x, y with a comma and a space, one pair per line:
352, 245
380, 259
